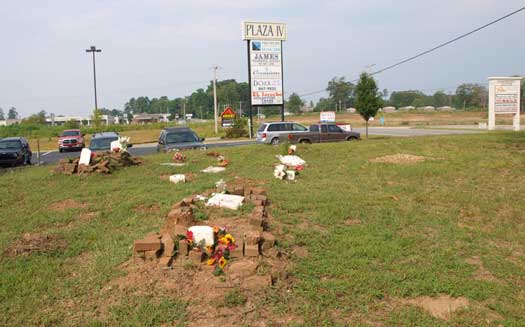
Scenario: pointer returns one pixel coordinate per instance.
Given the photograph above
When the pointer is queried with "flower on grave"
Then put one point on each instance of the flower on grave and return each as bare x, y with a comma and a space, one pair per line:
211, 261
299, 168
222, 262
189, 237
231, 247
229, 239
215, 230
218, 254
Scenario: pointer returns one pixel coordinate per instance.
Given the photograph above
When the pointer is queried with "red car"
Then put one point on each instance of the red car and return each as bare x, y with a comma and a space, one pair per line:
71, 139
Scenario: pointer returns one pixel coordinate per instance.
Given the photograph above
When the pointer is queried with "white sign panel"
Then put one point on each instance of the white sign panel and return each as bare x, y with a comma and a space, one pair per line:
266, 72
506, 98
264, 31
327, 117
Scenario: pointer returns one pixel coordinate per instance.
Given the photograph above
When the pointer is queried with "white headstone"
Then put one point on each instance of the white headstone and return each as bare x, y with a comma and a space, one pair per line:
85, 157
202, 233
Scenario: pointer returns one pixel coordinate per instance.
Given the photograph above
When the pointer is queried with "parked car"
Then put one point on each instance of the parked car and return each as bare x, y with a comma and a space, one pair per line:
15, 151
102, 141
179, 138
71, 139
275, 133
323, 133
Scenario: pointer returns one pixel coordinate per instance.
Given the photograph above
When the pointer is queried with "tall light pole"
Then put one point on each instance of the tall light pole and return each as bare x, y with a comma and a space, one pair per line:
94, 49
215, 97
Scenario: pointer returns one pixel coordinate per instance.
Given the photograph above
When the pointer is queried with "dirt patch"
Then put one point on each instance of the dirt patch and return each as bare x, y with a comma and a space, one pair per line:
36, 243
301, 252
400, 159
482, 273
153, 208
441, 307
353, 221
67, 204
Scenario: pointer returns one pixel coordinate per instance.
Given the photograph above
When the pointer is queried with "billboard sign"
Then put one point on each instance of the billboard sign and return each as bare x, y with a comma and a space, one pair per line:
266, 72
264, 31
327, 117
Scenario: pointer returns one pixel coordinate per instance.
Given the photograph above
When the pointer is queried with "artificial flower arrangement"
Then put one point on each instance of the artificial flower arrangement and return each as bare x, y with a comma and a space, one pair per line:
217, 254
179, 157
123, 144
222, 161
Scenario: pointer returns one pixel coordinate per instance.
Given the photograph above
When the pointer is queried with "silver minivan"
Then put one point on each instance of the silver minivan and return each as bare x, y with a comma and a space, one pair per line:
274, 133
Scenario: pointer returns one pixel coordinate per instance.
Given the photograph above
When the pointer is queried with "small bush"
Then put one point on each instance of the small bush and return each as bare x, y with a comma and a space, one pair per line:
238, 129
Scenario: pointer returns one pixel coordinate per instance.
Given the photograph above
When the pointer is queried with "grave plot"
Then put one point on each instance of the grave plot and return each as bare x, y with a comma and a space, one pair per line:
101, 163
223, 250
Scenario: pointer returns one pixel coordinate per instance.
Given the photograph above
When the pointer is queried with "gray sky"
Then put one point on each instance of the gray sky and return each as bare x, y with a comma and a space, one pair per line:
166, 47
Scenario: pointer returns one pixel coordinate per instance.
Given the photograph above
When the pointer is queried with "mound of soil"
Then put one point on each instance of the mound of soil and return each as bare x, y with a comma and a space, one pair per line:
67, 204
441, 307
36, 243
401, 159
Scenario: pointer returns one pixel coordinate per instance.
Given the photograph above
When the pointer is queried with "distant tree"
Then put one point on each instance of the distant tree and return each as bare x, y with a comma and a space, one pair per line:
471, 96
97, 118
341, 92
294, 103
37, 119
2, 117
420, 102
367, 98
324, 105
441, 99
71, 124
385, 94
12, 114
311, 103
405, 98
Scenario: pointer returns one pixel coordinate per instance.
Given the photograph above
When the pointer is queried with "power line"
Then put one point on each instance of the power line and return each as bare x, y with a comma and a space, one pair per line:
432, 49
448, 42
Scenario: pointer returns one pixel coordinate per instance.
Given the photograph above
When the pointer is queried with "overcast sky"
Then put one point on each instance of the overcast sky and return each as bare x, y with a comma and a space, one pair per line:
166, 47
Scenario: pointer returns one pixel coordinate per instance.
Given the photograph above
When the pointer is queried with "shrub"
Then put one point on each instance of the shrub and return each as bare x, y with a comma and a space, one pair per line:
238, 129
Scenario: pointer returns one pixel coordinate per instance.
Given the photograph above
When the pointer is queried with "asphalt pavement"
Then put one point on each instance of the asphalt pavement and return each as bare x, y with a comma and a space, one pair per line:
50, 157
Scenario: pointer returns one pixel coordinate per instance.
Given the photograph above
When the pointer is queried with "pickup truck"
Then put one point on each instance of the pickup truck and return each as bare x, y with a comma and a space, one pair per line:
323, 133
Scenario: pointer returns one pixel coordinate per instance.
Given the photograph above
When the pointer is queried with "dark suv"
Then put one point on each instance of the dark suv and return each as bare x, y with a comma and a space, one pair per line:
102, 141
15, 151
179, 138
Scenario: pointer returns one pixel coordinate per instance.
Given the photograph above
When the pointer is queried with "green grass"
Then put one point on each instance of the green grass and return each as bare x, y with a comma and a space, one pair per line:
419, 224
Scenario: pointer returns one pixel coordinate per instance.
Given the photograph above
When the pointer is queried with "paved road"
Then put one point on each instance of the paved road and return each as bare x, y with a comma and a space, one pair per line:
145, 149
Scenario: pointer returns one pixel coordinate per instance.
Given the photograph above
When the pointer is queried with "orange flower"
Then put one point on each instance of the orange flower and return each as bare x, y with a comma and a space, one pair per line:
211, 262
216, 229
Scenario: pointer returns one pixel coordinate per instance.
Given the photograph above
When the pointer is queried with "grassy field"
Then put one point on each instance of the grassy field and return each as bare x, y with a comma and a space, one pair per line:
373, 236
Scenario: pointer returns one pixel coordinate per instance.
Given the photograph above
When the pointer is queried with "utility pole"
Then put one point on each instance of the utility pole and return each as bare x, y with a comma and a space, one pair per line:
94, 49
215, 67
369, 69
184, 109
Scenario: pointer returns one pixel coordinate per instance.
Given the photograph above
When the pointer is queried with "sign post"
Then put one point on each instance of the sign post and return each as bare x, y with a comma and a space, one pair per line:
504, 98
227, 117
265, 65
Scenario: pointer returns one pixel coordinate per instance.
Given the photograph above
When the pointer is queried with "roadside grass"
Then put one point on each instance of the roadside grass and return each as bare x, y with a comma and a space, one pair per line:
373, 233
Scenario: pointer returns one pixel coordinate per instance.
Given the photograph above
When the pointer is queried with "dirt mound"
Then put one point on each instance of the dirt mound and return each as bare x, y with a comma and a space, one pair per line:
36, 243
67, 204
102, 163
401, 159
441, 307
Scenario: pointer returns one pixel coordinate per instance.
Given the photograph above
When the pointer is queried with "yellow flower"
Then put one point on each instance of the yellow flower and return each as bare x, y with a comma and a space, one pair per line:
211, 262
222, 262
229, 238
